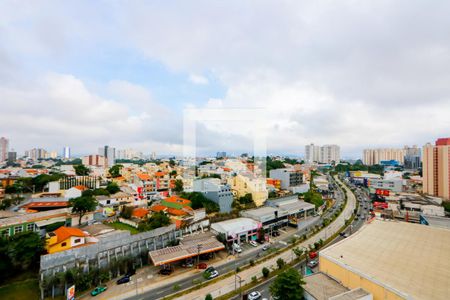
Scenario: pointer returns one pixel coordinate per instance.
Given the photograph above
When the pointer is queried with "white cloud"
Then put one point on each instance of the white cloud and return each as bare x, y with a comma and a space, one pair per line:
198, 79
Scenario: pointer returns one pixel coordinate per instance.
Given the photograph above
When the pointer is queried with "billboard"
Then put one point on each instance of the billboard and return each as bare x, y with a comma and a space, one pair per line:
71, 293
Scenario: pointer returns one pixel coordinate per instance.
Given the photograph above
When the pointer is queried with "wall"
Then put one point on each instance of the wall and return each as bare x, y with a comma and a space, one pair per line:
352, 280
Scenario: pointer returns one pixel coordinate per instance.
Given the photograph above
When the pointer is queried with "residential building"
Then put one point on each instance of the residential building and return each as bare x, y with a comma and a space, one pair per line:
129, 154
436, 168
109, 153
246, 183
392, 260
36, 153
412, 157
219, 193
221, 155
65, 238
95, 160
12, 157
289, 178
4, 148
66, 152
312, 153
375, 156
326, 154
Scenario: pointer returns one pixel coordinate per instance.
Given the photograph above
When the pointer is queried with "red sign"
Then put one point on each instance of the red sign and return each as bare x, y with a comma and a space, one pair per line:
380, 205
139, 191
382, 192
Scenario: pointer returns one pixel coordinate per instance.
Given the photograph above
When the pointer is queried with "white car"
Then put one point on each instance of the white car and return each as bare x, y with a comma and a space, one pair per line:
313, 263
253, 243
255, 295
237, 248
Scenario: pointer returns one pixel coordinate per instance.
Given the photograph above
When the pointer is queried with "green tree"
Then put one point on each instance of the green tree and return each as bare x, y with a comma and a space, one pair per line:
246, 199
178, 186
157, 220
265, 272
198, 200
288, 285
81, 170
281, 263
82, 205
114, 171
127, 212
24, 249
209, 297
112, 187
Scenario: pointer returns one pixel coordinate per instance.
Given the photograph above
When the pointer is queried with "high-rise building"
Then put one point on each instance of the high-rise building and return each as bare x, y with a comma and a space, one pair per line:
128, 154
322, 154
12, 157
95, 160
36, 153
412, 157
436, 168
109, 153
4, 148
66, 152
221, 154
375, 156
312, 153
330, 154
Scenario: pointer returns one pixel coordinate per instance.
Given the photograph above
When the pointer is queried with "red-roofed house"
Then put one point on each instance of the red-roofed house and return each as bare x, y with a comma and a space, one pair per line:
65, 238
140, 213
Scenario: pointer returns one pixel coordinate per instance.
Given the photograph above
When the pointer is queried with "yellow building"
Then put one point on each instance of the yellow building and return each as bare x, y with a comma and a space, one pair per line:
65, 238
392, 260
243, 185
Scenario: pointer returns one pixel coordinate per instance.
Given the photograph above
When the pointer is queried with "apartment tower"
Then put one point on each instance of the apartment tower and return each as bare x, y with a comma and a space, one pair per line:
436, 168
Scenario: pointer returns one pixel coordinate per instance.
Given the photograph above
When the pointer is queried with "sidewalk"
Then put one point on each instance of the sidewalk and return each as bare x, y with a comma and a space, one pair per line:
229, 284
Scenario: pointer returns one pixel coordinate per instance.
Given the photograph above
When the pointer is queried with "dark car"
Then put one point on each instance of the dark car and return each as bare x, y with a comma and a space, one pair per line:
166, 271
124, 279
202, 266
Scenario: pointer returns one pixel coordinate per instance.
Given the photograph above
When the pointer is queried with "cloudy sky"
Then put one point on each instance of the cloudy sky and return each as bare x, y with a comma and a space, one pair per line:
354, 73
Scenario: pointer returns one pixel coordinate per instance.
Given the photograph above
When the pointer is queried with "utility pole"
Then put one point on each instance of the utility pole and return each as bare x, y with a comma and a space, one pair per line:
199, 247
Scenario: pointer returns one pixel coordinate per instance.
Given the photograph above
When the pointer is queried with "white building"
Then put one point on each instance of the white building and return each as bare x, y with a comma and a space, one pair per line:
326, 154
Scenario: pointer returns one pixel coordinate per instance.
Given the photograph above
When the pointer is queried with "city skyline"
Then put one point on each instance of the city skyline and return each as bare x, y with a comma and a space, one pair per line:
106, 80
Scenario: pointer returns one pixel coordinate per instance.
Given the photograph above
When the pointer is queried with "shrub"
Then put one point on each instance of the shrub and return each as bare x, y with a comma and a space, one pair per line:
208, 297
238, 269
280, 263
252, 262
265, 272
254, 279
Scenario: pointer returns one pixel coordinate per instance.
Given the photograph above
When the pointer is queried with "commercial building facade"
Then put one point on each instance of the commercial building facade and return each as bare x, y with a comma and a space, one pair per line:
436, 168
288, 177
375, 156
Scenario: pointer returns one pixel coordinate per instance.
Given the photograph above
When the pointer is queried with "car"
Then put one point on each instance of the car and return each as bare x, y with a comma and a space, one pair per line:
202, 266
312, 255
98, 290
253, 243
265, 247
213, 273
166, 271
124, 279
255, 295
237, 248
313, 263
187, 264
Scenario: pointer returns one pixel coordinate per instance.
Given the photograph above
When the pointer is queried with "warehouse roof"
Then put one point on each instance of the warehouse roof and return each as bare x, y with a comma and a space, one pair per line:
322, 287
235, 226
408, 259
185, 250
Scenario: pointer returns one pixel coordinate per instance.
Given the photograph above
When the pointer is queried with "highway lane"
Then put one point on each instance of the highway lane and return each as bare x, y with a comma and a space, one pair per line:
243, 259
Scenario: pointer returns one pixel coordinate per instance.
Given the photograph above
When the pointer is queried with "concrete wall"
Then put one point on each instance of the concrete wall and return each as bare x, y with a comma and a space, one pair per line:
114, 245
352, 280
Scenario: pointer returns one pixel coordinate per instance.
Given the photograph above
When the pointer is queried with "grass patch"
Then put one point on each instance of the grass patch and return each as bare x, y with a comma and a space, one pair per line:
123, 226
28, 289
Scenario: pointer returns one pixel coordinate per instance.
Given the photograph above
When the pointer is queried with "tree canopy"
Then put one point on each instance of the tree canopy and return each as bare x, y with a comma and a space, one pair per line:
114, 171
178, 186
81, 170
159, 219
313, 198
199, 201
112, 187
288, 285
82, 205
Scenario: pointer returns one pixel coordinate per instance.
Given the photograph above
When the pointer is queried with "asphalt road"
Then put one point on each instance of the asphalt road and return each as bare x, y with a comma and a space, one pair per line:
243, 259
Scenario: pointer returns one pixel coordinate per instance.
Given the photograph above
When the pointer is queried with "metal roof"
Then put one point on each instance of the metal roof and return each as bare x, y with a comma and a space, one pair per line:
409, 259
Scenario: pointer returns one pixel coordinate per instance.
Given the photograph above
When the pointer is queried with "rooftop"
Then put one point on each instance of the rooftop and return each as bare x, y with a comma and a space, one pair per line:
411, 259
322, 287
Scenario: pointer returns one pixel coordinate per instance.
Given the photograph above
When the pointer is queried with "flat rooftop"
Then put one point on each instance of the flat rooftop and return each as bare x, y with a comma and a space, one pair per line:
186, 249
412, 259
322, 287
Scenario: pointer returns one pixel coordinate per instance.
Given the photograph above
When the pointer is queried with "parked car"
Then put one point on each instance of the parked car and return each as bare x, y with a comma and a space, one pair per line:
312, 255
213, 273
265, 247
253, 243
187, 264
313, 263
98, 290
124, 279
275, 233
255, 295
166, 271
237, 248
202, 266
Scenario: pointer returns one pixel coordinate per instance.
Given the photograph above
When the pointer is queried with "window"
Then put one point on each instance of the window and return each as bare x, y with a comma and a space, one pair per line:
18, 229
108, 201
30, 227
5, 233
64, 244
77, 241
